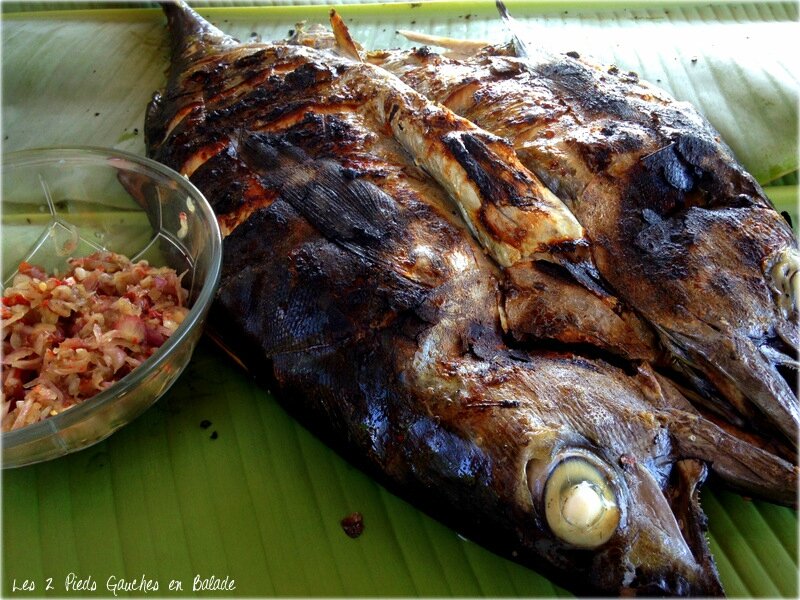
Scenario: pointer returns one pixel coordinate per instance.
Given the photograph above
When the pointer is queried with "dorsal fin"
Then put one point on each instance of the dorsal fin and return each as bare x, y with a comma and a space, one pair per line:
532, 53
521, 47
344, 41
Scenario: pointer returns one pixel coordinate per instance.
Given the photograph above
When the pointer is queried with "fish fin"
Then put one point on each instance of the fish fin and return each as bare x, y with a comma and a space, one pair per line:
286, 282
344, 208
351, 211
533, 54
348, 210
700, 392
521, 47
457, 48
583, 270
315, 36
223, 345
543, 302
344, 41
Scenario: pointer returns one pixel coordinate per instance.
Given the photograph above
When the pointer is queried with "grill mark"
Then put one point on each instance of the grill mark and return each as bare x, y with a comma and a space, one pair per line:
474, 156
284, 70
250, 59
392, 113
231, 188
577, 82
247, 84
260, 198
291, 107
180, 116
300, 113
201, 156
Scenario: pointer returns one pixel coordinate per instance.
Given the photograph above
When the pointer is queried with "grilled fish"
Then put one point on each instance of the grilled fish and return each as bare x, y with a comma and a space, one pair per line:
681, 233
357, 286
552, 301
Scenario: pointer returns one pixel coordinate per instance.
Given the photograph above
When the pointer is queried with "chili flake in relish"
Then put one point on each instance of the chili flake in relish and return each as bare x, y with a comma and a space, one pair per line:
68, 338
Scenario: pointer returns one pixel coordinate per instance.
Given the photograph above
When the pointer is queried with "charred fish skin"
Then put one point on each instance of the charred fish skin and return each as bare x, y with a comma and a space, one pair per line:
350, 286
680, 231
540, 304
517, 220
552, 291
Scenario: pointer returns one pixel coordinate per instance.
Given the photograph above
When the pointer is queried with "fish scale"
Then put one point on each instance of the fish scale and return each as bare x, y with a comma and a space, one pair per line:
375, 314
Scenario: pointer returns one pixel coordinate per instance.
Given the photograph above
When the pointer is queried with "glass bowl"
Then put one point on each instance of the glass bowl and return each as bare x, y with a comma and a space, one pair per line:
59, 203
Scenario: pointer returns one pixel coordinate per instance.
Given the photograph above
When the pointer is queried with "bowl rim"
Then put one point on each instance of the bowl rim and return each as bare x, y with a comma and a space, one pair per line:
76, 414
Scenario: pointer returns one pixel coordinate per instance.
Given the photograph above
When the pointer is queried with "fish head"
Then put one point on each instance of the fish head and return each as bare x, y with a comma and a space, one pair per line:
713, 267
734, 331
614, 500
626, 526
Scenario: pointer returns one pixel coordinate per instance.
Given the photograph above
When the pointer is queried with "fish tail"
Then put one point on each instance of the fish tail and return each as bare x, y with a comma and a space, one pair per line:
190, 34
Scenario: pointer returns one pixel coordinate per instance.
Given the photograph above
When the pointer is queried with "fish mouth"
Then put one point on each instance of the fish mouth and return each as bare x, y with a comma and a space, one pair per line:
744, 464
751, 383
671, 551
683, 494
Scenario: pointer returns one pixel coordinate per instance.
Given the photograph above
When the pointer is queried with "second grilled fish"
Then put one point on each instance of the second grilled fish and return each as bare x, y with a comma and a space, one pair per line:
679, 230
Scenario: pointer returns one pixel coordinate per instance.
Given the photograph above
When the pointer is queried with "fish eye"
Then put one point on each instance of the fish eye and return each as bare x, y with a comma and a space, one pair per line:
580, 505
783, 272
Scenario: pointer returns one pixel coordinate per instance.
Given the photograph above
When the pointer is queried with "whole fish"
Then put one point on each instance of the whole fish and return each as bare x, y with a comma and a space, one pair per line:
356, 285
679, 231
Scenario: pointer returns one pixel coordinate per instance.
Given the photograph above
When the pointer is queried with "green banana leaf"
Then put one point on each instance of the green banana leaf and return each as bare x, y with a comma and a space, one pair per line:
216, 481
